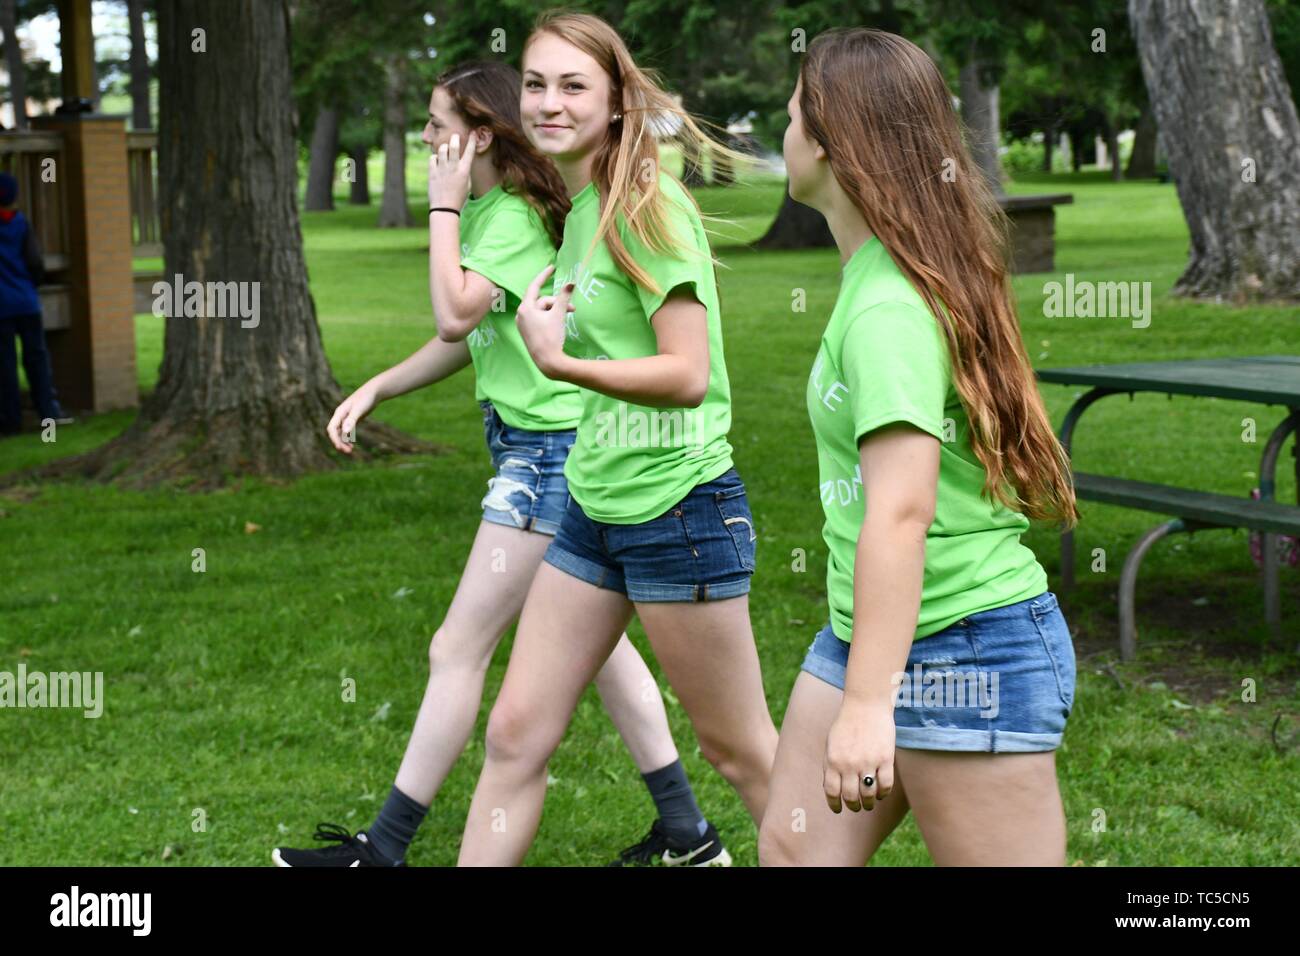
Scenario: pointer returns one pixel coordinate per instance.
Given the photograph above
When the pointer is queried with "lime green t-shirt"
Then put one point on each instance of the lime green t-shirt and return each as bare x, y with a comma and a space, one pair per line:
883, 359
502, 238
631, 463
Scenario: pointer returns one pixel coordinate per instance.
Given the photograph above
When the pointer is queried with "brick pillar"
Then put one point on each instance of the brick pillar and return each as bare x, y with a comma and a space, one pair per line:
94, 358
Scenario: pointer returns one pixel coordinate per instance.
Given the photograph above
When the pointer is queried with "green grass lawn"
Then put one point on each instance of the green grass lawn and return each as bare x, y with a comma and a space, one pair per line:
223, 688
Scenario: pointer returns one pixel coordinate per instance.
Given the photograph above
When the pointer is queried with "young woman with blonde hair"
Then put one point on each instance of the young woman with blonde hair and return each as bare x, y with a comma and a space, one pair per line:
944, 679
497, 213
658, 522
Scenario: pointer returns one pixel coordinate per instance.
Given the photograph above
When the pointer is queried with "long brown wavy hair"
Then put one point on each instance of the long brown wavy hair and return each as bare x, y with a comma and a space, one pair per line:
626, 165
880, 108
486, 93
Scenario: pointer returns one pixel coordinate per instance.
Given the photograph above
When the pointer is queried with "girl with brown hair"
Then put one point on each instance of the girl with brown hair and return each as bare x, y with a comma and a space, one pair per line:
497, 213
946, 674
658, 522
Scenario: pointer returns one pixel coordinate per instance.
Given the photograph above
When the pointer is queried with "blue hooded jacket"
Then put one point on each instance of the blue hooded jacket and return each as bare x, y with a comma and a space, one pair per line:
21, 267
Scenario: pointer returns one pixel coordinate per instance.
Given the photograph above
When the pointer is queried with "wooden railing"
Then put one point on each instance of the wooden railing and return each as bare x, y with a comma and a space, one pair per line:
35, 159
142, 161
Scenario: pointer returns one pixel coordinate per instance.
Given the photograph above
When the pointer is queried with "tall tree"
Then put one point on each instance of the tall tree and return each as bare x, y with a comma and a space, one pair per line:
978, 86
247, 394
14, 62
321, 160
393, 210
141, 117
1229, 126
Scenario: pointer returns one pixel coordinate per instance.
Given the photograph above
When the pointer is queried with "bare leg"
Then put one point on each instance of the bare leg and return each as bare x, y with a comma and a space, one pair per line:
566, 632
983, 809
799, 828
708, 655
500, 568
630, 694
498, 572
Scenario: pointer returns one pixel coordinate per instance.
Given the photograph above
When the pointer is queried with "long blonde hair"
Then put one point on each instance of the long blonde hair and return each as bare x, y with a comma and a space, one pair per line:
880, 108
626, 165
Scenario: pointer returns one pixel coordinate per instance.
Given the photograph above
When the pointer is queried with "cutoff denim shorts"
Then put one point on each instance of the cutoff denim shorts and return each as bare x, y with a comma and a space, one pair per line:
1000, 681
700, 549
528, 490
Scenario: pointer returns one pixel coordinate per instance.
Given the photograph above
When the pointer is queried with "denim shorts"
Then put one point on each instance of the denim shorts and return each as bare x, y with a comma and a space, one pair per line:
700, 549
528, 490
1000, 681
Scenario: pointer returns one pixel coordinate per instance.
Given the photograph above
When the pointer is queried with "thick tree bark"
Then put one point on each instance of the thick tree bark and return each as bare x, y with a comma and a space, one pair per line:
241, 395
1229, 123
979, 111
796, 227
1049, 135
392, 209
1142, 161
141, 116
322, 153
360, 192
14, 63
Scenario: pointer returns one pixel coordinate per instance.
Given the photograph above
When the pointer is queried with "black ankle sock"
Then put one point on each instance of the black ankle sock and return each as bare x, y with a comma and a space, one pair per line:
680, 816
394, 828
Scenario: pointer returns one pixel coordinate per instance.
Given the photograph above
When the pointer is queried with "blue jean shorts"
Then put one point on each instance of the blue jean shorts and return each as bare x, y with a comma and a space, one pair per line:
528, 490
700, 549
999, 681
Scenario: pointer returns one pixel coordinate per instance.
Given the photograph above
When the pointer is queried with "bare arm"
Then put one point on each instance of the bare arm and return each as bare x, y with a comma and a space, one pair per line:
460, 297
433, 362
900, 474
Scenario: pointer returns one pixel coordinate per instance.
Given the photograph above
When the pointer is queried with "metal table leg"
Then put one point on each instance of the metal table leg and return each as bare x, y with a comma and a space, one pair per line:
1267, 491
1067, 438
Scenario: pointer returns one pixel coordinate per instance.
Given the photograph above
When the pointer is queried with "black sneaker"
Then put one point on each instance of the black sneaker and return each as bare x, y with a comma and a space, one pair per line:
658, 849
351, 850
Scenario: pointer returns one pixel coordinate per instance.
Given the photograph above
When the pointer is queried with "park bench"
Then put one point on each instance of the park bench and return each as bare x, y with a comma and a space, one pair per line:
1268, 379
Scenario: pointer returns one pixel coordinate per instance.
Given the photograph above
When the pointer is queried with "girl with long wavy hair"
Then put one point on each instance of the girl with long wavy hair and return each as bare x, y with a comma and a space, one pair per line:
484, 250
943, 681
658, 523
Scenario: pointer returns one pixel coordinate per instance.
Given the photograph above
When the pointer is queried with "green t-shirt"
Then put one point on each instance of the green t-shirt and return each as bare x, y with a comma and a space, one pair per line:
503, 239
882, 359
631, 463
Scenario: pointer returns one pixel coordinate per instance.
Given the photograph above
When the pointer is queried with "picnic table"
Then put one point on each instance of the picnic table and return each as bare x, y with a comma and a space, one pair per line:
1266, 379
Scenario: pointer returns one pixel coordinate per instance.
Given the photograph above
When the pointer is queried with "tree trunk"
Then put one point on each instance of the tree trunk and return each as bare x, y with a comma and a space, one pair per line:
979, 111
248, 394
14, 63
360, 194
1229, 124
323, 152
141, 116
393, 210
1142, 161
1112, 147
796, 227
692, 168
1048, 135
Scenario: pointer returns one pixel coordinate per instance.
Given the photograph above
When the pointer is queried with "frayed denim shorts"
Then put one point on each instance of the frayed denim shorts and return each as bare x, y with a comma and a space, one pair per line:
999, 681
700, 549
528, 490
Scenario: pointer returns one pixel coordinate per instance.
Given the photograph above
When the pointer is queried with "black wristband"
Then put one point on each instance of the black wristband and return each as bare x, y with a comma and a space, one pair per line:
434, 209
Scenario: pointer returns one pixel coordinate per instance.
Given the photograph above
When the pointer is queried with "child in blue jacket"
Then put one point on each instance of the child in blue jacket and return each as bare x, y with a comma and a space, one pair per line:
21, 271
